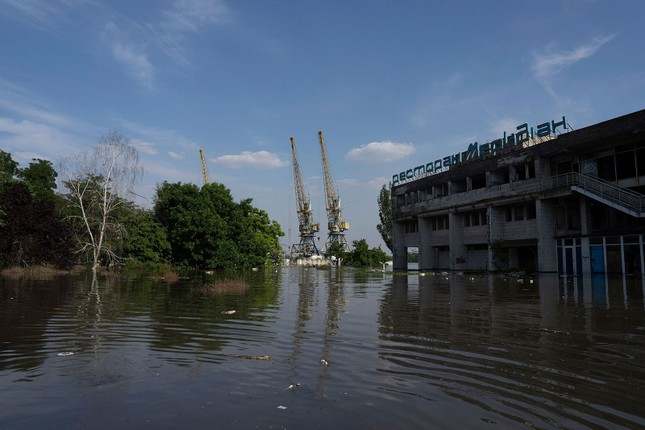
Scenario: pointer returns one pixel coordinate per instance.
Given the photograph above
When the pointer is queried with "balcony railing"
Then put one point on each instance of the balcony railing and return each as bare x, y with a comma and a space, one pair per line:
606, 192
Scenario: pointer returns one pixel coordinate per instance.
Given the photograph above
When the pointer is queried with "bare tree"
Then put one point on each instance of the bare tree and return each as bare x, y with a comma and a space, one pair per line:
99, 182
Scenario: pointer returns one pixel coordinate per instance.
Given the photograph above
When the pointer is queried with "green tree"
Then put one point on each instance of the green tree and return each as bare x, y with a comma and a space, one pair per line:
8, 167
362, 255
40, 178
144, 239
384, 227
206, 228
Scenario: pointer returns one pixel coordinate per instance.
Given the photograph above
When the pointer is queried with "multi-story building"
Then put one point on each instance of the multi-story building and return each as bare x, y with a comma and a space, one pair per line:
556, 200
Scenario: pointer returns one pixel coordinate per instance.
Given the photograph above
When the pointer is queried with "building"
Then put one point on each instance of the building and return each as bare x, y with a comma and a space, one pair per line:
556, 200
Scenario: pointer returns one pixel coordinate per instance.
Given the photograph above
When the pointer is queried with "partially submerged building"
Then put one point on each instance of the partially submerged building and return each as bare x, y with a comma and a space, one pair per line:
545, 198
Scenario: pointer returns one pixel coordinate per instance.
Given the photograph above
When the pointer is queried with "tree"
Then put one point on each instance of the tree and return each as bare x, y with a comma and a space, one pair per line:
206, 228
40, 178
99, 183
34, 232
144, 239
8, 167
385, 215
362, 255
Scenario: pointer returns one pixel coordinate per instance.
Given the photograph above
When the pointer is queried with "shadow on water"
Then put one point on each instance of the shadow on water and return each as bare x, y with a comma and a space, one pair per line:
337, 348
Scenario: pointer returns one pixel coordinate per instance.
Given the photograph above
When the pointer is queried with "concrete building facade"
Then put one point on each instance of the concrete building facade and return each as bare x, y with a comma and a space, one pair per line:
571, 202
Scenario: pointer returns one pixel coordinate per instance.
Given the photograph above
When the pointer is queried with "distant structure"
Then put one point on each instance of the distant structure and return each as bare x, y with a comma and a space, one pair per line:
306, 247
202, 157
336, 224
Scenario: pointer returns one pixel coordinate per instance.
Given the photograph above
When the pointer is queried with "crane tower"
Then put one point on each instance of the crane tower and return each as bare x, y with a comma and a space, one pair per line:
336, 224
306, 226
202, 158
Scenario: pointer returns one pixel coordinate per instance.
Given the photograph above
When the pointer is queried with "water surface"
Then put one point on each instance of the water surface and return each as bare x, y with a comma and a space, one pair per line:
310, 348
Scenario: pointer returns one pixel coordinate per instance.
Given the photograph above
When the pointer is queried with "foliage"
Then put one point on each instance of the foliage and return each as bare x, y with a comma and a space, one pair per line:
34, 232
98, 184
206, 228
40, 178
384, 227
361, 255
144, 239
8, 167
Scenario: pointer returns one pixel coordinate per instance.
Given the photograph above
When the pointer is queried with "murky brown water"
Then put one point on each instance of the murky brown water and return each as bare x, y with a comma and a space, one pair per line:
404, 351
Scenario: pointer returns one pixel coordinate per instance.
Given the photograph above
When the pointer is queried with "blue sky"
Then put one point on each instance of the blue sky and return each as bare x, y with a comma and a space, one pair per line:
392, 84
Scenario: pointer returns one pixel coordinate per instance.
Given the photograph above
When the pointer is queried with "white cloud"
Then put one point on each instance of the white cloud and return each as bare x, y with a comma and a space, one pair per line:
183, 17
548, 64
503, 124
32, 138
260, 159
131, 55
39, 12
175, 155
144, 147
374, 183
381, 151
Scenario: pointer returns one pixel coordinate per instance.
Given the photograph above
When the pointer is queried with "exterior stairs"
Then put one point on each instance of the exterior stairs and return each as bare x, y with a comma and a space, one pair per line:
610, 194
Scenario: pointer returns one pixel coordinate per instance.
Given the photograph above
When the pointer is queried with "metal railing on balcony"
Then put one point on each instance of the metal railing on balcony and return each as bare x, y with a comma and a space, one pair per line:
622, 198
625, 199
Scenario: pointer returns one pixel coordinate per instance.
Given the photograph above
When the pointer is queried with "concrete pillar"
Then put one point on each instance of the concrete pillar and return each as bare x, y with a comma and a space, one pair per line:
426, 252
456, 241
494, 234
584, 232
545, 217
399, 251
451, 188
469, 183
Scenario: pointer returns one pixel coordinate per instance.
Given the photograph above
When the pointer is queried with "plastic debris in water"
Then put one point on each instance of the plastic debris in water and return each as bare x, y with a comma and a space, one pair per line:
293, 386
255, 357
282, 407
231, 312
324, 362
65, 354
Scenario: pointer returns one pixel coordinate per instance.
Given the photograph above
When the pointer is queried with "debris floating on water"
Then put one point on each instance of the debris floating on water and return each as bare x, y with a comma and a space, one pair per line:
293, 386
255, 357
324, 362
65, 354
231, 312
282, 407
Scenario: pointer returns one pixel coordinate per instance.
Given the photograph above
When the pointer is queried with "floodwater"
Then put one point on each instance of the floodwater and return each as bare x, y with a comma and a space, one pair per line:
310, 348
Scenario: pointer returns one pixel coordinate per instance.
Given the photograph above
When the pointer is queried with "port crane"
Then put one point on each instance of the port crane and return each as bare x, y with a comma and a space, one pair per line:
336, 224
306, 247
202, 158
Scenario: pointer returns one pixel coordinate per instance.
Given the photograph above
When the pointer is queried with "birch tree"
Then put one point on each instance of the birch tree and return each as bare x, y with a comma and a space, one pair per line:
99, 183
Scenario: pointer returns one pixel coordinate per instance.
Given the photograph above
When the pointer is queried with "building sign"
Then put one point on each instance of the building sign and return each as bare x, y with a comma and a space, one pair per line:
475, 151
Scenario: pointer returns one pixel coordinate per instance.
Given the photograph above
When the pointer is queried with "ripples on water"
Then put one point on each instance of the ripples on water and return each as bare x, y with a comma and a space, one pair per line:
360, 349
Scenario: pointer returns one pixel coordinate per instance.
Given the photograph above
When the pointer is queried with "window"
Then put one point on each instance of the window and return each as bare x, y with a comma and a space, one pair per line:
467, 216
521, 172
519, 212
509, 213
606, 168
626, 164
531, 169
530, 210
475, 217
640, 161
484, 216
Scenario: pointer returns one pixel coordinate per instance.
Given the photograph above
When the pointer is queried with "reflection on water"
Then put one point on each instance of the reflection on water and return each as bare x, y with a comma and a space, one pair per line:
337, 348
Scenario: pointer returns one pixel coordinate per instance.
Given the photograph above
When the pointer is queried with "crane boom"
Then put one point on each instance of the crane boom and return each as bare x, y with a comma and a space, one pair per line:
306, 226
202, 157
336, 224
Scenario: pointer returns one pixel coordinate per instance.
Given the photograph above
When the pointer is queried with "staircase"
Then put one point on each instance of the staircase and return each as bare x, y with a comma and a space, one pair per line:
619, 198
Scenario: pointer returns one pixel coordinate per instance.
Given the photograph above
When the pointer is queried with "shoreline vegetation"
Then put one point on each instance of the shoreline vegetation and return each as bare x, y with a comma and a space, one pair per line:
82, 216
